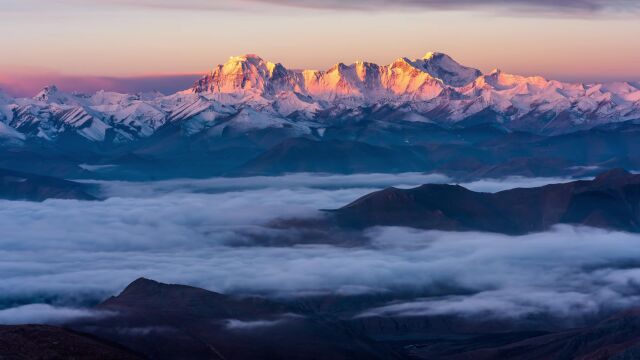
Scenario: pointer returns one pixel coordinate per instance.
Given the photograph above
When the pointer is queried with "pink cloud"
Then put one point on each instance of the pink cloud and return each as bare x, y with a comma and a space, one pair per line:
560, 6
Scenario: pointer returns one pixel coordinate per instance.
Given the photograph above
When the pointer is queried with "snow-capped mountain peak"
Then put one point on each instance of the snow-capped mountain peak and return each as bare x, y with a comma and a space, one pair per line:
248, 92
422, 78
443, 67
430, 55
46, 93
245, 73
53, 95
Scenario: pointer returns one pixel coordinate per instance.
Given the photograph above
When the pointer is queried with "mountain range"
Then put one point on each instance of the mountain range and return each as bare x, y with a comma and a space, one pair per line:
248, 106
250, 93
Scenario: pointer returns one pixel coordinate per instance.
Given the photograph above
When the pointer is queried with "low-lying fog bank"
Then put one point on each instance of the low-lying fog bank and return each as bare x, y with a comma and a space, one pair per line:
205, 233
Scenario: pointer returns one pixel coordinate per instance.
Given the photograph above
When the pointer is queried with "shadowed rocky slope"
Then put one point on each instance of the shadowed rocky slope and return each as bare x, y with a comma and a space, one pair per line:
174, 321
16, 185
39, 342
611, 200
162, 321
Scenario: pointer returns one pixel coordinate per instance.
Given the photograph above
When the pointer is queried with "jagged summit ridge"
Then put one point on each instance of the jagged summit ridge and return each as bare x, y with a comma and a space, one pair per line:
47, 91
442, 66
249, 93
247, 73
423, 78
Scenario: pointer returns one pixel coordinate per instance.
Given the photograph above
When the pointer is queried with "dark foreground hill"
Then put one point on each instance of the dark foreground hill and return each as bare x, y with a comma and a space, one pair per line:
166, 321
615, 338
15, 185
161, 321
41, 342
611, 200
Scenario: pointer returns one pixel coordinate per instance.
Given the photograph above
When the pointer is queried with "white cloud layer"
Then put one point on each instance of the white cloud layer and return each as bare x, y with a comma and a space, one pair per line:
196, 233
45, 314
244, 325
559, 7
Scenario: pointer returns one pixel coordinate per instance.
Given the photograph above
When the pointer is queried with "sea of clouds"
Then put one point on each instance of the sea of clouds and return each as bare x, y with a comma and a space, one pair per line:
60, 256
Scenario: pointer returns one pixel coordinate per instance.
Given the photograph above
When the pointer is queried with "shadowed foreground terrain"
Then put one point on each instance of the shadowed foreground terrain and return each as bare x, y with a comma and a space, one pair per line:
611, 200
162, 321
40, 342
15, 185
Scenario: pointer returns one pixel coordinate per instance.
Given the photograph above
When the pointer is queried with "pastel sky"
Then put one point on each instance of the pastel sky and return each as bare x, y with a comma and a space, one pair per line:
136, 45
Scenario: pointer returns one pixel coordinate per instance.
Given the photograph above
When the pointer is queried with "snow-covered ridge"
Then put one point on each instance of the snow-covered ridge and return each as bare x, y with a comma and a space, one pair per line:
421, 79
249, 93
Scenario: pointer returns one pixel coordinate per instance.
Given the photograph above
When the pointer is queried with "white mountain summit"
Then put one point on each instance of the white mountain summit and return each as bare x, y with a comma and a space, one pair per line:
249, 93
419, 78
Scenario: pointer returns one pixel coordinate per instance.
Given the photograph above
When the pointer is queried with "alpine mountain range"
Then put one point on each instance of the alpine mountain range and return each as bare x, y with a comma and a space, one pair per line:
249, 111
